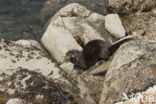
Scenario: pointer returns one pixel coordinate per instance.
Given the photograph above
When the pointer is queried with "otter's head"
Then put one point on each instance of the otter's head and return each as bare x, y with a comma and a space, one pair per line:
73, 56
76, 57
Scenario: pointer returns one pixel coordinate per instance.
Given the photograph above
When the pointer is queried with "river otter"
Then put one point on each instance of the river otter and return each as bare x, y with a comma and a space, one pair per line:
93, 51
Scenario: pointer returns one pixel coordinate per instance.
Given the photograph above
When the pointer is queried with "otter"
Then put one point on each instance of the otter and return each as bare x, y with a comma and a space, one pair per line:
93, 51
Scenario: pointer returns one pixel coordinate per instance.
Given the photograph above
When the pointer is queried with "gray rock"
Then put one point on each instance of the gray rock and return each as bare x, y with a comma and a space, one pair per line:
37, 89
85, 92
26, 54
142, 24
153, 12
72, 21
58, 42
68, 67
25, 66
114, 25
92, 81
89, 82
129, 6
29, 43
16, 101
132, 70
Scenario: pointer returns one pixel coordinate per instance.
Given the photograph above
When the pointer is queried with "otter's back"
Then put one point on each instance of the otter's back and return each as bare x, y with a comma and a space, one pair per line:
96, 49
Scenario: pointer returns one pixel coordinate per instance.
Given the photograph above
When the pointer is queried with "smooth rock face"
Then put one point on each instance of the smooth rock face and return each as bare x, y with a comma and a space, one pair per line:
131, 70
114, 25
129, 6
26, 54
16, 101
73, 21
58, 42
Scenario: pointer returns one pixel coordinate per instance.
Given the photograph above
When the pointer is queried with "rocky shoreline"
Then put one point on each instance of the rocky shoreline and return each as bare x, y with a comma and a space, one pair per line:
32, 73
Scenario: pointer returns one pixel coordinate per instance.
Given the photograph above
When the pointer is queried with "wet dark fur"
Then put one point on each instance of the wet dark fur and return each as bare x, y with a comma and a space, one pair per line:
92, 52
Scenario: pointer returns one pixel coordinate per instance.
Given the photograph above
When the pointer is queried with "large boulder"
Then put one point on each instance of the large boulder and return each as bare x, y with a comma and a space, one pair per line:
26, 54
36, 89
58, 42
79, 21
75, 22
26, 66
132, 70
69, 22
129, 6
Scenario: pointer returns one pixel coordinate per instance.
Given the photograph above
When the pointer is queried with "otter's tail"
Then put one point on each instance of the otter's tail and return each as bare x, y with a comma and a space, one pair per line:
117, 44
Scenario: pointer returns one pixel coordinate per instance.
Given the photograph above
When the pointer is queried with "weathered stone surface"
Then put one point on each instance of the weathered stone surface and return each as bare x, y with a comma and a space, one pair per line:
26, 54
29, 43
36, 89
90, 82
26, 67
58, 42
144, 24
153, 12
85, 91
131, 70
20, 60
93, 80
114, 25
73, 20
68, 67
16, 101
130, 6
